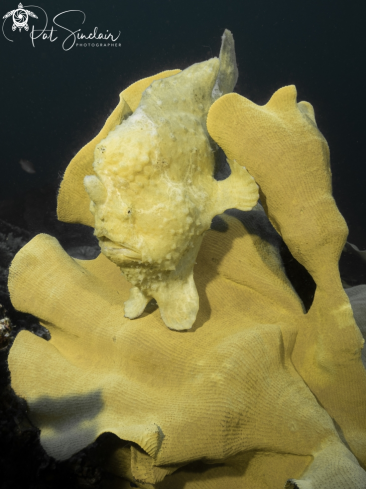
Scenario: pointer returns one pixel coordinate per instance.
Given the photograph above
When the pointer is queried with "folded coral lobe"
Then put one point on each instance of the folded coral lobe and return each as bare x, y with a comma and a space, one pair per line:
280, 145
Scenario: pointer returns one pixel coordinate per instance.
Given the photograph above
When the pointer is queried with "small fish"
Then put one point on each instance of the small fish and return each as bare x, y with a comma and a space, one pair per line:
27, 166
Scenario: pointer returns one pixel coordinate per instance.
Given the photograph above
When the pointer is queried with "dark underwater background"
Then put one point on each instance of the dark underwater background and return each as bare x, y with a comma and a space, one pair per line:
53, 101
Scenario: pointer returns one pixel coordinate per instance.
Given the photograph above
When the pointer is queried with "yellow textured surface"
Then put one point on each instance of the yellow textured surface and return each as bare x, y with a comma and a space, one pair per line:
226, 386
282, 148
263, 470
73, 202
132, 95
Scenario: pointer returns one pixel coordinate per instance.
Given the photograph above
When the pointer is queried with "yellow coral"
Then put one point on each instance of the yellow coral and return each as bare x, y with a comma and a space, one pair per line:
282, 148
225, 388
280, 145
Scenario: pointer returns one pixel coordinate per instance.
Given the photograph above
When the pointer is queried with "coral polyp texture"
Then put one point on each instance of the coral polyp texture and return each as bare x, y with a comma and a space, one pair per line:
254, 392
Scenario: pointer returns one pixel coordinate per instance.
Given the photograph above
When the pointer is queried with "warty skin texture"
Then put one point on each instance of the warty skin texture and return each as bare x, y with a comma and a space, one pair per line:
153, 195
